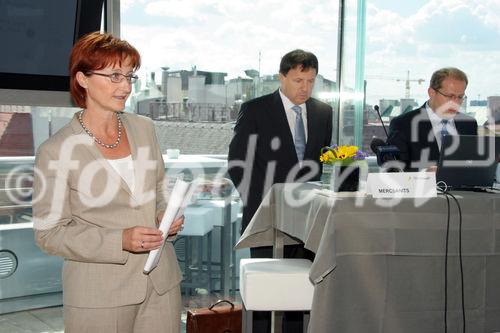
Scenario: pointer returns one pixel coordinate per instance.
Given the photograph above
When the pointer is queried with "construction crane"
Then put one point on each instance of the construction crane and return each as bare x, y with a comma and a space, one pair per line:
407, 81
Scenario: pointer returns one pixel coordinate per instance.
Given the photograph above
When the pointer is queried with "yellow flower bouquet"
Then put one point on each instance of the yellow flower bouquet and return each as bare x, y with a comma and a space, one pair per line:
341, 167
342, 155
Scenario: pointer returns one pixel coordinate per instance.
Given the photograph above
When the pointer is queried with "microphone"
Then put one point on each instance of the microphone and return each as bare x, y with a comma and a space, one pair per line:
375, 144
376, 108
384, 152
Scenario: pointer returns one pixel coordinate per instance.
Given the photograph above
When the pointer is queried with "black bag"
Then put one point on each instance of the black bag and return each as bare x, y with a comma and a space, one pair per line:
223, 319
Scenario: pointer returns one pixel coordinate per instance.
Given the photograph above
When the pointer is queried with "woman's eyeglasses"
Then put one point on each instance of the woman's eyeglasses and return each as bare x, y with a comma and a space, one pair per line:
117, 77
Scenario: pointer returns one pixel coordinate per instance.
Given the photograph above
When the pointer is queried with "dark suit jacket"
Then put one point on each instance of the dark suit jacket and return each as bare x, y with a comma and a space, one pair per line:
420, 149
264, 118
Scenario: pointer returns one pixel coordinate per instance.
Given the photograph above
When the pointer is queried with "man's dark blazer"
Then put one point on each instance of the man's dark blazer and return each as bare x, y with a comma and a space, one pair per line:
265, 117
422, 151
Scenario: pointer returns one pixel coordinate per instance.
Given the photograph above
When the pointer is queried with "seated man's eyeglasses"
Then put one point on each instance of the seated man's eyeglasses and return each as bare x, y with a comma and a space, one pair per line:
451, 97
117, 77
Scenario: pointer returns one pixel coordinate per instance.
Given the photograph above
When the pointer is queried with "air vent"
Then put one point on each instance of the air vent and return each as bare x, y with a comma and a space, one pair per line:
8, 264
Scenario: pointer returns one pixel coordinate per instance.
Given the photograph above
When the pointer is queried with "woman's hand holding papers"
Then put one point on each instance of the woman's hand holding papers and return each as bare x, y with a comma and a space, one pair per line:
141, 239
176, 226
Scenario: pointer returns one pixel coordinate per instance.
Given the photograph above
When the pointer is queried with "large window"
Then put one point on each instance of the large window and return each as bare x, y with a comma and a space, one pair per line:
202, 59
403, 44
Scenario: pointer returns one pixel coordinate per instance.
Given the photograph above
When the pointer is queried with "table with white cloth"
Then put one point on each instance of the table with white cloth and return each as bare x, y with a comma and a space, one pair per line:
380, 263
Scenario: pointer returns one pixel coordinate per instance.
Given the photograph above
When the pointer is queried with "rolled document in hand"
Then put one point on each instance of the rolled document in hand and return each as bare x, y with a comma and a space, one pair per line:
179, 199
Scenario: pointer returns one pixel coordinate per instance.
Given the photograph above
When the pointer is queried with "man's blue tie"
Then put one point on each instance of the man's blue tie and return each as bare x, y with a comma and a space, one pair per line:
300, 133
444, 131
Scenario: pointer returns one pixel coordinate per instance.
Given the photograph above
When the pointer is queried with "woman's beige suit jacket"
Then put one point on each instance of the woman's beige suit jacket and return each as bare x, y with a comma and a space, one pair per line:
81, 206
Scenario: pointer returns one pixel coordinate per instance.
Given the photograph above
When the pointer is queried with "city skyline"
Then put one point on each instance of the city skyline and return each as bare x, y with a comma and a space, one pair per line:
227, 36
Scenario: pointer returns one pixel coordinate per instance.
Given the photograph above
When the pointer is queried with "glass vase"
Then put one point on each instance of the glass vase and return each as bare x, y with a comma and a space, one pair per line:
327, 176
341, 177
346, 178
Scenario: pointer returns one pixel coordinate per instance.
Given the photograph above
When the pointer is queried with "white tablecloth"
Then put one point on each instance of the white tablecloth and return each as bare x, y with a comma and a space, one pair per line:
381, 269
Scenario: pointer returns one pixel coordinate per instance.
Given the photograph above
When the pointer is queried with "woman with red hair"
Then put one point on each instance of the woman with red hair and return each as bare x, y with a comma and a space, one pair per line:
98, 197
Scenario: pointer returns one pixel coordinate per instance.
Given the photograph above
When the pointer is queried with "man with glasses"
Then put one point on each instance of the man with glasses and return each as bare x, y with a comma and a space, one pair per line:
418, 133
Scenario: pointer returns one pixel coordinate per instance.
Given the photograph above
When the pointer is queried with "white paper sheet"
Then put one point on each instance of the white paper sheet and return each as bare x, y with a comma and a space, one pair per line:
179, 199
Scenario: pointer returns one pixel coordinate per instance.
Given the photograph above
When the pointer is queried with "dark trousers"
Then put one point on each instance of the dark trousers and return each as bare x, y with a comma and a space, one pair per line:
293, 321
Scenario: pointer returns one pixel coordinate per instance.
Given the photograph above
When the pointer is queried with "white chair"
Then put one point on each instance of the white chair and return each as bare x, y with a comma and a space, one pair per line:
228, 234
275, 285
198, 224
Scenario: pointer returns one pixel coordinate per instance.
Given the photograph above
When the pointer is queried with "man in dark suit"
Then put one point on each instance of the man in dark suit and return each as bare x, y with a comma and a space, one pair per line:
418, 133
278, 139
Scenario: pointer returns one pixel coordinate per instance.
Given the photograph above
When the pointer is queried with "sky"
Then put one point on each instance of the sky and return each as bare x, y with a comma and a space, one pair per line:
418, 36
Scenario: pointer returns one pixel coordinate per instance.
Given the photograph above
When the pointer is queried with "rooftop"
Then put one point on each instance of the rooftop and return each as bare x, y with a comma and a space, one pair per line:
195, 138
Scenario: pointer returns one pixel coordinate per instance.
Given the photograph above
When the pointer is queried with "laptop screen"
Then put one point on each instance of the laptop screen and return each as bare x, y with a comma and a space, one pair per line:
468, 161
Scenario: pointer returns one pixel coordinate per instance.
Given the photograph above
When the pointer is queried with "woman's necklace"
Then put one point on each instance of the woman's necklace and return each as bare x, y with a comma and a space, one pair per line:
98, 141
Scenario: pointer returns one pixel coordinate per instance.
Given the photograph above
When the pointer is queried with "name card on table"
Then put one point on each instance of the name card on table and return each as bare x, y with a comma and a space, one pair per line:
402, 184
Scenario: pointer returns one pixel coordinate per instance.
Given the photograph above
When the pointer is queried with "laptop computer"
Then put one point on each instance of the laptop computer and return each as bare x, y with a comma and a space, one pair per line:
468, 161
